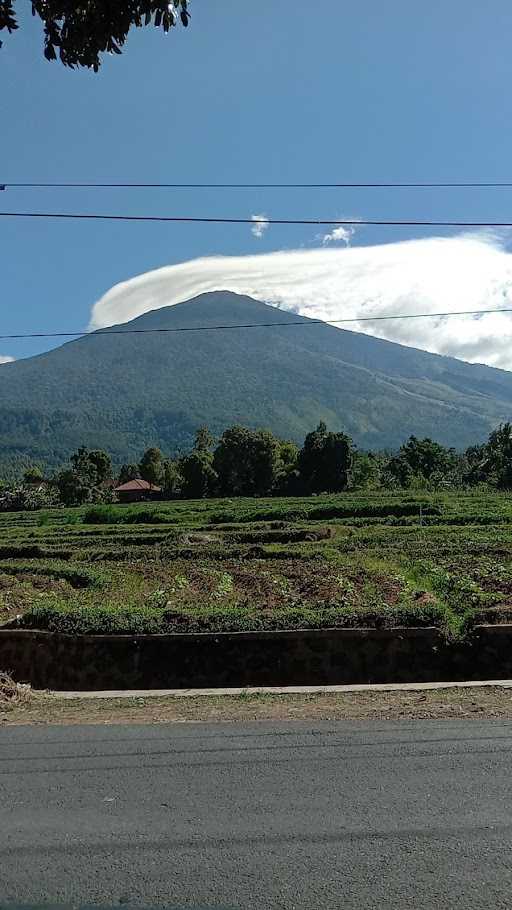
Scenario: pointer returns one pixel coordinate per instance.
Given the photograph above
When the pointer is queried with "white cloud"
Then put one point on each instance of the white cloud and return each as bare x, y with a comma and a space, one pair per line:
260, 225
5, 358
467, 272
341, 234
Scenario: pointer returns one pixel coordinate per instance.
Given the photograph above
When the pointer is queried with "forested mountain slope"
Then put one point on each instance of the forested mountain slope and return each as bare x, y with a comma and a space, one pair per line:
125, 392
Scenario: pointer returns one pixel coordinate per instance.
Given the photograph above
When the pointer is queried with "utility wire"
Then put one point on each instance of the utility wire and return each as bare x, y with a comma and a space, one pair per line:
252, 325
322, 222
249, 186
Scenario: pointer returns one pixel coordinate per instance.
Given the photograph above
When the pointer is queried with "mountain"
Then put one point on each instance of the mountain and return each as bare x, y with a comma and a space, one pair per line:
125, 392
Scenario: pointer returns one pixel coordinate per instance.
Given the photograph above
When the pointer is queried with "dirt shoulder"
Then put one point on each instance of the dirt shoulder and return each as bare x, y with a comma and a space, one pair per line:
488, 701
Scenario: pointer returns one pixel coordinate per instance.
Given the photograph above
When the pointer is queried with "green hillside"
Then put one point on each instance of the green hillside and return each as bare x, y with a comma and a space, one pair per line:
125, 393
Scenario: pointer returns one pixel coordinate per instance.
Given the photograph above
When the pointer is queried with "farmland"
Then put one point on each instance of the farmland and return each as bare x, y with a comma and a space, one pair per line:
349, 560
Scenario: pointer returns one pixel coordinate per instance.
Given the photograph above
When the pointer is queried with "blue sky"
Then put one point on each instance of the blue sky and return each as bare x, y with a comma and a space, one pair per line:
251, 91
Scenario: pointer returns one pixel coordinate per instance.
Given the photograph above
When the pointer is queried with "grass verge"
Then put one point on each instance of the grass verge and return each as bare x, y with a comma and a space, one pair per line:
479, 703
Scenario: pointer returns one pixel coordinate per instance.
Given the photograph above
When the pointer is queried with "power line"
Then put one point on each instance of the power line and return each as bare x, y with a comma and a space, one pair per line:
251, 325
318, 222
248, 186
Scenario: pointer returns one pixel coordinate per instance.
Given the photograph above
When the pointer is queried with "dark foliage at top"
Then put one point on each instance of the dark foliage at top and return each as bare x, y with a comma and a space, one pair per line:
78, 33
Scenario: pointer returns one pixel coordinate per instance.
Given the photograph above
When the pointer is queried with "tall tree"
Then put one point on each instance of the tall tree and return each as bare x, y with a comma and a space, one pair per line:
325, 461
475, 466
365, 471
83, 467
83, 481
198, 473
204, 440
72, 489
151, 466
423, 463
78, 33
499, 456
199, 478
426, 457
397, 472
172, 483
102, 464
246, 461
287, 481
94, 463
310, 457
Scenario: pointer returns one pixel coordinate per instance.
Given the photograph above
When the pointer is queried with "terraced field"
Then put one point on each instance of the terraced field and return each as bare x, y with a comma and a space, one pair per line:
220, 565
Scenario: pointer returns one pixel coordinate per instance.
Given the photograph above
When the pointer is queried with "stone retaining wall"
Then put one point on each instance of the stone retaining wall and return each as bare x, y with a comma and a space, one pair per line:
329, 656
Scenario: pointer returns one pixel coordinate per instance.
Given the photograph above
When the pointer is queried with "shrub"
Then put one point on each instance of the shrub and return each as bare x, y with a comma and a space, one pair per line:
77, 576
292, 535
278, 513
101, 515
58, 616
110, 514
207, 618
374, 510
55, 615
31, 551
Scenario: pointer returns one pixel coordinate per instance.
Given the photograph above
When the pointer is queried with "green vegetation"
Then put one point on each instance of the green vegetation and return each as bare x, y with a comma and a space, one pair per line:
246, 462
344, 560
125, 392
86, 479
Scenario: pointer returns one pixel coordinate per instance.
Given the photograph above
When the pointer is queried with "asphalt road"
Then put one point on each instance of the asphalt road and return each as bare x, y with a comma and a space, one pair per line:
291, 815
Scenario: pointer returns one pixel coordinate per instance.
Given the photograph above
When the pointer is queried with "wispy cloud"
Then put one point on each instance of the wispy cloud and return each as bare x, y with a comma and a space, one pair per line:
5, 358
341, 234
467, 272
261, 224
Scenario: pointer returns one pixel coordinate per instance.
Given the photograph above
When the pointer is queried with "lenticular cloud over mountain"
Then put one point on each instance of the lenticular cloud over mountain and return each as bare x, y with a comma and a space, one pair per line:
468, 272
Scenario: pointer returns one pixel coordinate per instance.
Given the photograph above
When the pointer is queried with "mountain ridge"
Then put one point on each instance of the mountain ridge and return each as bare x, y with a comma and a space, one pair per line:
125, 393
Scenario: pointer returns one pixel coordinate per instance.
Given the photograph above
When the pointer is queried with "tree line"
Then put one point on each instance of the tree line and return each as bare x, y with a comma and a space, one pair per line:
247, 462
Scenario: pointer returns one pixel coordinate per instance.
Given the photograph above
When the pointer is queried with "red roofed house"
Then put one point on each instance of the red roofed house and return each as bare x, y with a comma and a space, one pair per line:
137, 491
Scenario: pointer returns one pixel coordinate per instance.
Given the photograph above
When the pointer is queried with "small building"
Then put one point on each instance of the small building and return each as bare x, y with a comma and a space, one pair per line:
137, 491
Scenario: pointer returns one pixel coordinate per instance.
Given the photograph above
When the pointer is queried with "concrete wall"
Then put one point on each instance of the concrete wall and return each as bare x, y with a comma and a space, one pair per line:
54, 661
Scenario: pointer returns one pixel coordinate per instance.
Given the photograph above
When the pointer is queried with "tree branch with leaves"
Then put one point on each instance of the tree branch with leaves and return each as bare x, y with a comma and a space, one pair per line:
79, 33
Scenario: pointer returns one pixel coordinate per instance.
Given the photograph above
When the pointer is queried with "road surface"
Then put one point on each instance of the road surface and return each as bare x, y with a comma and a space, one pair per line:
409, 814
